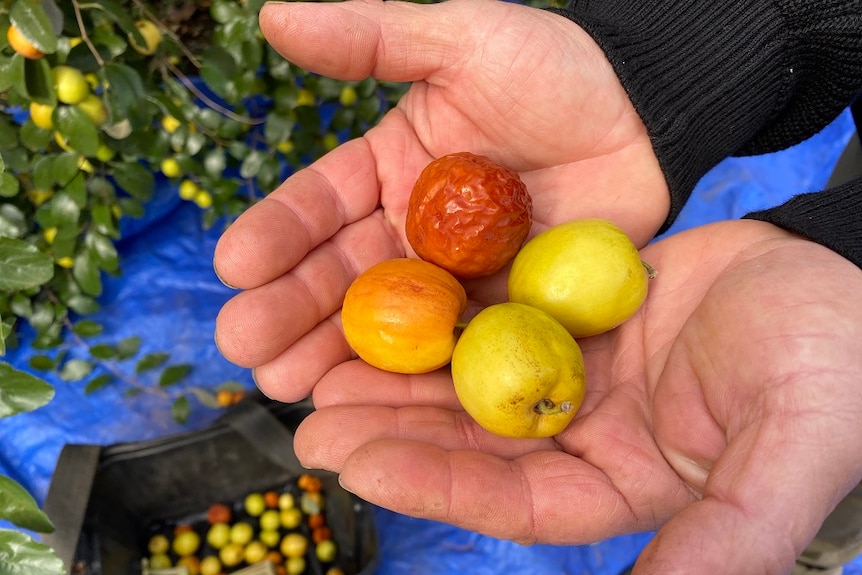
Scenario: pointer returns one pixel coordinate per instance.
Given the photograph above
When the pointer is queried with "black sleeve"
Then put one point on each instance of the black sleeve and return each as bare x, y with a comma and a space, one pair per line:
714, 78
832, 218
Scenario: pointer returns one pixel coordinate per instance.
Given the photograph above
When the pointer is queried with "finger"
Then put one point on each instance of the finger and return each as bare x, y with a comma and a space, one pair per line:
257, 325
354, 40
357, 383
276, 233
292, 375
546, 496
327, 437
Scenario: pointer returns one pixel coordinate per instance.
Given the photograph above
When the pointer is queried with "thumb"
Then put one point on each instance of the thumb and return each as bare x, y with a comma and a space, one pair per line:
714, 536
355, 39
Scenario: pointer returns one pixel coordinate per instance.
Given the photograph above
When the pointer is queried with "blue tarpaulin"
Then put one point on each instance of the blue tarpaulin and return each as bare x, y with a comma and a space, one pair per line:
169, 296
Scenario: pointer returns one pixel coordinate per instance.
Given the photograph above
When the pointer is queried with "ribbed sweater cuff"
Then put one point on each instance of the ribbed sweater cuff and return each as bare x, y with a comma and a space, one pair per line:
711, 78
831, 218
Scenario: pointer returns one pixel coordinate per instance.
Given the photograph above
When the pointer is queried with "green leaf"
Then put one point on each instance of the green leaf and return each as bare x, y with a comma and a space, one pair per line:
128, 347
125, 88
82, 304
15, 76
215, 162
79, 130
278, 127
57, 169
39, 81
9, 186
30, 18
20, 554
180, 409
195, 143
103, 351
218, 68
87, 328
122, 17
75, 370
104, 250
98, 383
21, 509
135, 179
23, 265
13, 222
5, 330
6, 71
252, 163
35, 138
41, 362
103, 219
226, 12
59, 211
43, 316
87, 273
151, 361
173, 374
206, 397
21, 392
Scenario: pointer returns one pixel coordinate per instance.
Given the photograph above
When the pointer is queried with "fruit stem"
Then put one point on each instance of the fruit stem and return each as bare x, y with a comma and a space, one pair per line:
651, 271
548, 407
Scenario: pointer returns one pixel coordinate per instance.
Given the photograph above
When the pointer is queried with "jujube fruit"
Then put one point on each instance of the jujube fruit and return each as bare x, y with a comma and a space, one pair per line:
21, 44
400, 315
586, 273
468, 215
518, 372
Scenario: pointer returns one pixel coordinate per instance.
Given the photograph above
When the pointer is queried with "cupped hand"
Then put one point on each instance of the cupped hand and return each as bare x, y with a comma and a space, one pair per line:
523, 86
725, 415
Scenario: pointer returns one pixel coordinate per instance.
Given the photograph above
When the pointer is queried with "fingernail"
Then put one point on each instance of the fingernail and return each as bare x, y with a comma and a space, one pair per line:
224, 283
343, 486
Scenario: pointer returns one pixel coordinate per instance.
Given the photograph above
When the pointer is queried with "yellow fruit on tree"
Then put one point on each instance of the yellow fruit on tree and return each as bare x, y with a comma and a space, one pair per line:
85, 165
203, 199
348, 96
66, 262
305, 97
21, 44
94, 109
93, 80
152, 37
170, 167
70, 84
39, 196
330, 141
49, 234
286, 147
170, 124
188, 189
62, 142
41, 115
105, 153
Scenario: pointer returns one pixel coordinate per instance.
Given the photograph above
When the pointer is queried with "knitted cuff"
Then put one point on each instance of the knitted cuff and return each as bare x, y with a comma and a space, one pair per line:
830, 218
711, 78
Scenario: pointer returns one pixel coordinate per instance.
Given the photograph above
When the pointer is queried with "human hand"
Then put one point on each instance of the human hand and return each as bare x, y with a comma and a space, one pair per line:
724, 414
523, 86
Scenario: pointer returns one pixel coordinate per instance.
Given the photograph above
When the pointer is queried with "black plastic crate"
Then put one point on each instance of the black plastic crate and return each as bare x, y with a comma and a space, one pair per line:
105, 501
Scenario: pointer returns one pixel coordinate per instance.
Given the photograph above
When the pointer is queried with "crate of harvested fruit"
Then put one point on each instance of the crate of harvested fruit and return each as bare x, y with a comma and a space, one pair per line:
228, 499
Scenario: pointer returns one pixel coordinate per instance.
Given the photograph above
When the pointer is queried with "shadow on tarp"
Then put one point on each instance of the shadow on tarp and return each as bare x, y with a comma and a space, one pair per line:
169, 296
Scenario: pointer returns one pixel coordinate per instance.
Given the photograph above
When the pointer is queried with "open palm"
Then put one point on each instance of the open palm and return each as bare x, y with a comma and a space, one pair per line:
732, 393
525, 87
